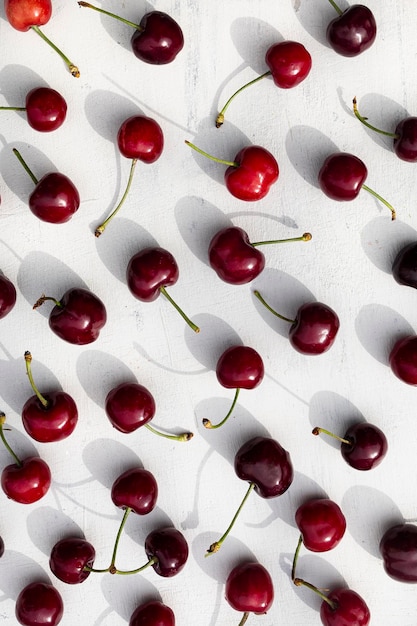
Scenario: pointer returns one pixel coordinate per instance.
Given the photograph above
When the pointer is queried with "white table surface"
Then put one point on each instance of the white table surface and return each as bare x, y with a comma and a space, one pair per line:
179, 203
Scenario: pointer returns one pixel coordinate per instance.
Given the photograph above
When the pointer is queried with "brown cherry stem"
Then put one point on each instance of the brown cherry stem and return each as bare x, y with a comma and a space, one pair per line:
28, 360
3, 438
182, 437
210, 156
296, 555
215, 547
244, 618
43, 299
191, 324
220, 116
100, 229
300, 582
207, 423
366, 123
266, 305
25, 166
116, 17
317, 430
74, 71
336, 8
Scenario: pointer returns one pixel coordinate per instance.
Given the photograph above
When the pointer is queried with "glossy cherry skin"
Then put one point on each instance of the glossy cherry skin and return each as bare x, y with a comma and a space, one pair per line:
352, 32
249, 588
240, 367
321, 523
68, 559
264, 462
170, 548
159, 39
233, 257
289, 63
1, 547
403, 359
148, 271
52, 423
368, 446
39, 604
46, 109
22, 14
314, 329
136, 489
79, 317
351, 609
55, 198
129, 406
404, 268
28, 482
141, 138
255, 171
398, 547
342, 175
153, 613
7, 296
405, 142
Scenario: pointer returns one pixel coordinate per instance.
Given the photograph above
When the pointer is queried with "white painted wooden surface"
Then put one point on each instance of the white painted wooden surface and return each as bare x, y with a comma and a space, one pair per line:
180, 202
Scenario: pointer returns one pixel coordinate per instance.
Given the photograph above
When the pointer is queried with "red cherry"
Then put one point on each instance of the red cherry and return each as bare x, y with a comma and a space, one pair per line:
240, 367
1, 547
347, 609
70, 559
46, 109
289, 63
363, 446
129, 406
405, 139
27, 481
152, 613
169, 549
252, 175
249, 588
403, 359
404, 268
7, 296
321, 523
135, 489
23, 14
39, 604
398, 547
158, 40
353, 31
141, 138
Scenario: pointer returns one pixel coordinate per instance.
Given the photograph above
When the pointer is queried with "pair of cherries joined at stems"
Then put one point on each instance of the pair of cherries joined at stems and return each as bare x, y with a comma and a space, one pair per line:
45, 108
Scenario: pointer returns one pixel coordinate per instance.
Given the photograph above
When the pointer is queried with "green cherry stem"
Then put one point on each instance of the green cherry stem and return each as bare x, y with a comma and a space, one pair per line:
366, 123
336, 8
220, 116
266, 305
3, 438
317, 430
295, 559
116, 17
191, 324
100, 229
182, 437
43, 299
381, 199
28, 360
300, 582
215, 547
12, 108
25, 166
304, 237
211, 157
74, 71
207, 423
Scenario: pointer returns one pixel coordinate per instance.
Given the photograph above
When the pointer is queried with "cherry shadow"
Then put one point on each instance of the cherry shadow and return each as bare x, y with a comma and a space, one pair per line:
307, 149
15, 176
382, 239
47, 525
315, 19
106, 459
21, 444
16, 571
106, 111
383, 113
125, 593
333, 412
119, 32
15, 83
99, 372
207, 348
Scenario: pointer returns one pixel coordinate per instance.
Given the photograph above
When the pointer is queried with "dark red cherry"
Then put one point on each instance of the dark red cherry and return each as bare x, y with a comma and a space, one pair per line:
26, 482
1, 547
249, 588
152, 613
149, 270
140, 137
129, 406
405, 140
7, 295
254, 171
321, 523
367, 448
240, 367
342, 175
39, 604
348, 609
314, 329
353, 31
46, 109
403, 359
136, 489
158, 40
170, 550
233, 257
404, 268
289, 63
70, 559
398, 547
55, 199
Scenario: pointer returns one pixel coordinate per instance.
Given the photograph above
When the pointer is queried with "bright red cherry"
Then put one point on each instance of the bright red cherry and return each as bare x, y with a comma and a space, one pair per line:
168, 549
27, 481
353, 31
7, 296
249, 588
39, 604
398, 547
321, 523
403, 359
152, 613
71, 559
404, 268
78, 317
135, 489
344, 607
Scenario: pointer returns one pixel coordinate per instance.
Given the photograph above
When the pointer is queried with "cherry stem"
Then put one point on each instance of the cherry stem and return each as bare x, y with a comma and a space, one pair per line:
12, 108
336, 8
220, 116
207, 423
25, 166
304, 237
282, 317
215, 547
295, 559
100, 229
74, 71
28, 360
3, 438
211, 157
191, 324
381, 199
182, 437
366, 123
43, 299
116, 17
299, 581
244, 618
317, 430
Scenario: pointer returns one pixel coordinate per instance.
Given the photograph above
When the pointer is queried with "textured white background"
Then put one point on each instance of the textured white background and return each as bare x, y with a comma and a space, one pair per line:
179, 203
